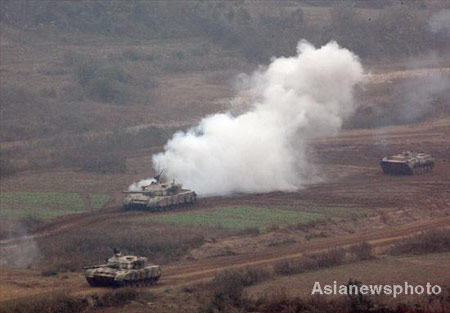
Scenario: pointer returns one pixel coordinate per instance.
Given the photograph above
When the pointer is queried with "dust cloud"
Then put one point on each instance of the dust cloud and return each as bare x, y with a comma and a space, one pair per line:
265, 148
22, 254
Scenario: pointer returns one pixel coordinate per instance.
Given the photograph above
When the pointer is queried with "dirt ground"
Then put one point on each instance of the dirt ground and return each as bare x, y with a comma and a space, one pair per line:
352, 178
349, 177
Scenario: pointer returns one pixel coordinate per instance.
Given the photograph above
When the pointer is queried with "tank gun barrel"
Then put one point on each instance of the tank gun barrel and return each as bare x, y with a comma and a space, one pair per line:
94, 266
158, 176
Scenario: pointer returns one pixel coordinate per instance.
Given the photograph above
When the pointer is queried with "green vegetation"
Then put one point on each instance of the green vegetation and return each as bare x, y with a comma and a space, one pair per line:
103, 83
40, 205
69, 251
237, 218
46, 205
60, 302
339, 212
40, 214
42, 200
115, 53
98, 200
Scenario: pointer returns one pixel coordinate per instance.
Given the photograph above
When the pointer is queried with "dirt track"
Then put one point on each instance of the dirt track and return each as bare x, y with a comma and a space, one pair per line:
198, 270
207, 268
348, 165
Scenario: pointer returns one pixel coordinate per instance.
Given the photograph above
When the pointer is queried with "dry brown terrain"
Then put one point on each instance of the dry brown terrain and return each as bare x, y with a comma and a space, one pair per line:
348, 164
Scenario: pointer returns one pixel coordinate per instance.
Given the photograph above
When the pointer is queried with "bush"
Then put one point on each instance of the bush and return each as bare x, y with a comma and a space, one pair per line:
312, 262
228, 286
103, 83
432, 241
289, 267
86, 71
65, 303
6, 168
362, 251
132, 55
160, 243
329, 258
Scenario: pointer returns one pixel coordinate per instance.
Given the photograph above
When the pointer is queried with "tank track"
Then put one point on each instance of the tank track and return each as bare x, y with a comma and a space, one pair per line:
139, 283
421, 169
143, 207
126, 283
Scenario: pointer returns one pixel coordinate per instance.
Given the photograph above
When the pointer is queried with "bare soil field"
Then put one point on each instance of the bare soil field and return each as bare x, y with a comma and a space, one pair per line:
348, 165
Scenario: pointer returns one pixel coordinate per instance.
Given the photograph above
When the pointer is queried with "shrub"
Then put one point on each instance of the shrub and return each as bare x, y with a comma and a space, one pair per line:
65, 303
329, 258
432, 241
107, 90
69, 251
363, 251
289, 267
132, 55
312, 262
86, 71
103, 83
6, 167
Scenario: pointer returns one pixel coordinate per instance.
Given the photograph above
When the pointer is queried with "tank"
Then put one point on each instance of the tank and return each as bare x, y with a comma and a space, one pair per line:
123, 271
407, 163
158, 196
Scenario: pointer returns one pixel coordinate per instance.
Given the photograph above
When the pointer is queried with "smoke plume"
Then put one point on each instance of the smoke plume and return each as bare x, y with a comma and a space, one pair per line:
138, 186
440, 22
416, 97
265, 148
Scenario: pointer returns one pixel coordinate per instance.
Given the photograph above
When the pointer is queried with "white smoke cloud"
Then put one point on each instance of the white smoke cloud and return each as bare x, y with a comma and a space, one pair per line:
265, 148
440, 22
138, 186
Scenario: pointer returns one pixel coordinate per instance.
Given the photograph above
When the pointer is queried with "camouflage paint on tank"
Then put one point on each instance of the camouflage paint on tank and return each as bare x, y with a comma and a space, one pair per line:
407, 163
158, 196
123, 271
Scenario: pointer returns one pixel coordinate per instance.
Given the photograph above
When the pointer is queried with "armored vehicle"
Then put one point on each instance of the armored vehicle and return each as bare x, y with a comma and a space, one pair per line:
123, 271
158, 196
407, 163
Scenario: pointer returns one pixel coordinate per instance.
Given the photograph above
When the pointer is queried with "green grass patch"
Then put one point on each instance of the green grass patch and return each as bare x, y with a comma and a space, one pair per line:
339, 212
98, 200
41, 201
35, 213
237, 218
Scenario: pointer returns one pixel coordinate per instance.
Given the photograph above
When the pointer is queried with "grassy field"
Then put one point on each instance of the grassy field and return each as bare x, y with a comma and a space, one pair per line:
330, 211
238, 218
46, 205
42, 200
98, 200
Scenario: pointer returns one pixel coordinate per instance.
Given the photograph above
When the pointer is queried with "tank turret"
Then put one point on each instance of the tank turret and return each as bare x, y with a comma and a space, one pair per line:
407, 163
123, 270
